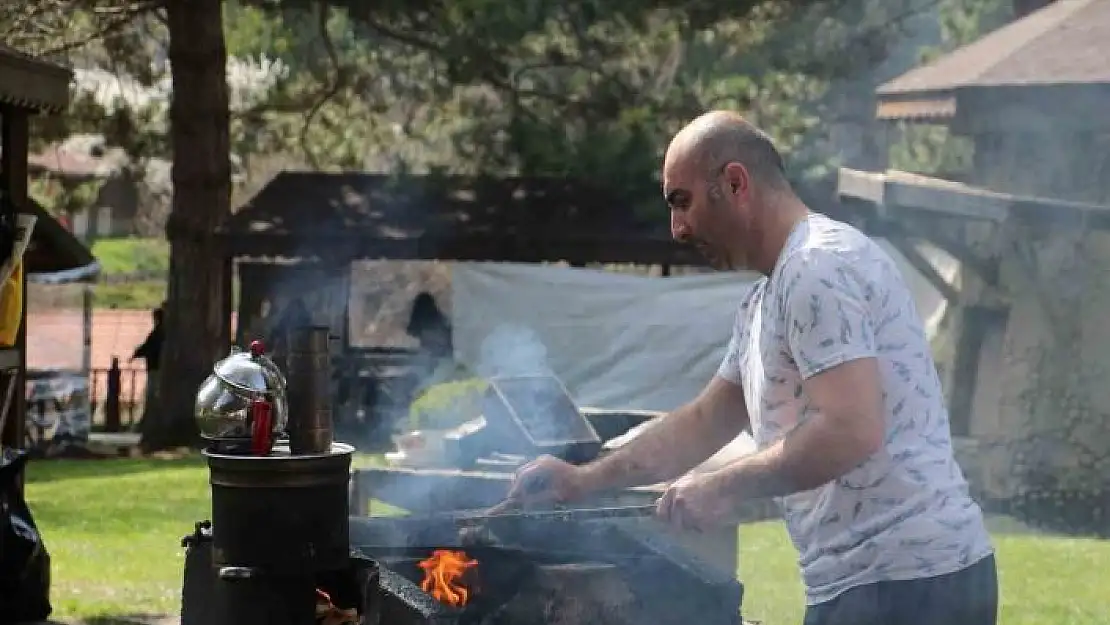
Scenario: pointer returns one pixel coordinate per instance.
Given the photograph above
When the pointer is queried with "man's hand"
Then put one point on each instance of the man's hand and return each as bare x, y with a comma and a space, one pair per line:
695, 502
545, 480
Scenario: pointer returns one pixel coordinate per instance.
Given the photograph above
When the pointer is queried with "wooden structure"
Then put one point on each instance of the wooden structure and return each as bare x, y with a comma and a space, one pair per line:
27, 86
349, 216
301, 232
1030, 229
316, 224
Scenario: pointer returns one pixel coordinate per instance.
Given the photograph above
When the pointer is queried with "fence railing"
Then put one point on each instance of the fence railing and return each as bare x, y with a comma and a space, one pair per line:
116, 396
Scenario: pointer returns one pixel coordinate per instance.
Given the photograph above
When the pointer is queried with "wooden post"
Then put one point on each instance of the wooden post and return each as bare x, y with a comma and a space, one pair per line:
13, 147
112, 397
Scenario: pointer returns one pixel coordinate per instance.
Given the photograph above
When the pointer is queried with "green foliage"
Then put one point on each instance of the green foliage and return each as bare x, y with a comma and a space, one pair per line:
60, 198
933, 149
586, 90
448, 404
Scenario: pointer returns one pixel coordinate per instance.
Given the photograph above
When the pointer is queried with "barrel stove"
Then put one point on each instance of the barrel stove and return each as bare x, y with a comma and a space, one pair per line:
279, 532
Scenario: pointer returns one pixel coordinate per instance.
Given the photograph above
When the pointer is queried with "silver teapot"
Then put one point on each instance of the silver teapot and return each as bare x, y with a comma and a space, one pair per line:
242, 408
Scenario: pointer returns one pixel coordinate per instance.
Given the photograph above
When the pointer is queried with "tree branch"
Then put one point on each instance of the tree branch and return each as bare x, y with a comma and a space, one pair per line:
339, 79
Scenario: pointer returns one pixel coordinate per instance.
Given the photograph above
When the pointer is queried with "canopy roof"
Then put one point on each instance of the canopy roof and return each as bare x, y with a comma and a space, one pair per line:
350, 216
30, 83
55, 255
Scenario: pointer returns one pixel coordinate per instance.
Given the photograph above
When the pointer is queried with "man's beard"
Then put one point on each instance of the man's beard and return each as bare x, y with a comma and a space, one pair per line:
718, 261
718, 256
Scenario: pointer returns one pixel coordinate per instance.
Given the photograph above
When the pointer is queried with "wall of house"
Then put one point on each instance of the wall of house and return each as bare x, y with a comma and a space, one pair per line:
1042, 409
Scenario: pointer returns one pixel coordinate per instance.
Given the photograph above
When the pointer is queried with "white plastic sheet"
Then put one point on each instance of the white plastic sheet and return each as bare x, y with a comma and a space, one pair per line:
618, 341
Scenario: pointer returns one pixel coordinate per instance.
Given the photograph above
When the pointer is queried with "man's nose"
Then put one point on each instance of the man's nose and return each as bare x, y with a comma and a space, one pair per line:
680, 230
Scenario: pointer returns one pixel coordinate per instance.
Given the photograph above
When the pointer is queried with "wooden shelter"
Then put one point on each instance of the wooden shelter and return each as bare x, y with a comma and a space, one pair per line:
351, 216
303, 229
1029, 224
27, 86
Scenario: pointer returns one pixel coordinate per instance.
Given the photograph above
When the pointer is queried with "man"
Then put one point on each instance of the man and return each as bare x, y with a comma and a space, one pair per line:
830, 369
151, 351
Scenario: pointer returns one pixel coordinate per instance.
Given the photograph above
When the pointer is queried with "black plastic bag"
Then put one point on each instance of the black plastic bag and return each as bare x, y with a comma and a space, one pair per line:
24, 562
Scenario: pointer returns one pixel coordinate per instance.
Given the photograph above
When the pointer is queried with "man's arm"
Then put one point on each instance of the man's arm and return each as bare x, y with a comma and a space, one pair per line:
143, 348
831, 338
675, 443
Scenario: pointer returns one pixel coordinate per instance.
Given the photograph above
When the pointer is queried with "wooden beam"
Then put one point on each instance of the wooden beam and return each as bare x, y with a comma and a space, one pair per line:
926, 269
985, 268
893, 190
13, 181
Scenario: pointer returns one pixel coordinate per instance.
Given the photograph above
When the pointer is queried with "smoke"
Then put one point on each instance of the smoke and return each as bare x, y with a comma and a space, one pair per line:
512, 350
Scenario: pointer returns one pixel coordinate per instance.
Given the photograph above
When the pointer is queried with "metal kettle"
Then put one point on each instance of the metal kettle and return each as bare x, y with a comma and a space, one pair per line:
242, 407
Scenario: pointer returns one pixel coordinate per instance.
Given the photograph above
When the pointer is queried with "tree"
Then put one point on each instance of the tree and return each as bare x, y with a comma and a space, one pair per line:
198, 298
585, 89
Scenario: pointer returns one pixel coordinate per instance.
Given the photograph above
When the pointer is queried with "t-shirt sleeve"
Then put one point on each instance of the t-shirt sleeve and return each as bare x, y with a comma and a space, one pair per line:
827, 314
730, 365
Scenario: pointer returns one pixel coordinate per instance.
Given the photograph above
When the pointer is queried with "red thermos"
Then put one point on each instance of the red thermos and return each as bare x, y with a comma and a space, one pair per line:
261, 425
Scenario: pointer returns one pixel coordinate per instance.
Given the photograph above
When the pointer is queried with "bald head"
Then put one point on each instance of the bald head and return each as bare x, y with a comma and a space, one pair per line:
720, 137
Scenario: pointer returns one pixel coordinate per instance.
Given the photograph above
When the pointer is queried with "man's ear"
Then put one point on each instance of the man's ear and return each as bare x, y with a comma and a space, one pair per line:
738, 178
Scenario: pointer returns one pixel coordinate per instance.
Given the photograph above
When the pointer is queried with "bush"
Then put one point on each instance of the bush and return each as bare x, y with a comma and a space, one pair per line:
446, 405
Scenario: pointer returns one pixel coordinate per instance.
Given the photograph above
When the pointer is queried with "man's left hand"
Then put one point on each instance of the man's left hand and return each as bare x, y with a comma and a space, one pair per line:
695, 502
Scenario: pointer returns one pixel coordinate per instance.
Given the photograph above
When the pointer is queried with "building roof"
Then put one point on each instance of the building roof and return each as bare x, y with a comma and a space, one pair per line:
348, 216
82, 156
54, 251
32, 83
1062, 44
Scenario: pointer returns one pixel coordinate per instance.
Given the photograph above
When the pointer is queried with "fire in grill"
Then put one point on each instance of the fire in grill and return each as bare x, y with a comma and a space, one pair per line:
550, 569
445, 576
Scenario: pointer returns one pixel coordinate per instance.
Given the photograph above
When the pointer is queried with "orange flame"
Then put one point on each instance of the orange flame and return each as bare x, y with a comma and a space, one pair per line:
443, 573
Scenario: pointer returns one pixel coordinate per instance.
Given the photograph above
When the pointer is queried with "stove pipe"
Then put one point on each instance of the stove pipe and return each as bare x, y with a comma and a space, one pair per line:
309, 371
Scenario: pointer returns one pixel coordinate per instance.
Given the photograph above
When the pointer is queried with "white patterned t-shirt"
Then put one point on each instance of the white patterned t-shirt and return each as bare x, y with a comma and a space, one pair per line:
905, 513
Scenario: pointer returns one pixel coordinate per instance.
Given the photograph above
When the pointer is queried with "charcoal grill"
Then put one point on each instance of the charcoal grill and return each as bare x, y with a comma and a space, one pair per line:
631, 570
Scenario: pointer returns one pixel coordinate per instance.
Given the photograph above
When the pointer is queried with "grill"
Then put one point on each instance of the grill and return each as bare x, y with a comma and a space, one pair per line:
564, 568
280, 536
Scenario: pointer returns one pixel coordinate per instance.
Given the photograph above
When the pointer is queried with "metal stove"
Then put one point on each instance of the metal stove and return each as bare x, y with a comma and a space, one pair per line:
549, 569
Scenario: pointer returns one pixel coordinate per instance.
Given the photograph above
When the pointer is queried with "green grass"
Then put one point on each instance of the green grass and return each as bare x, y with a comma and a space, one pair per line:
1045, 579
146, 259
132, 255
113, 528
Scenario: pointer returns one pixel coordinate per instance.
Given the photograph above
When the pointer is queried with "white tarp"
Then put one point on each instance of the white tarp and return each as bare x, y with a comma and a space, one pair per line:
618, 341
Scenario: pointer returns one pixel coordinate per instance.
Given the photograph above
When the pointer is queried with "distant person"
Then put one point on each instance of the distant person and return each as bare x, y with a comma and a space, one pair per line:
435, 362
429, 325
151, 351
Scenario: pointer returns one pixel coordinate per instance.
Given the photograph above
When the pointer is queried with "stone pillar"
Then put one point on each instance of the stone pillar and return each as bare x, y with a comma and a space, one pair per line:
1051, 460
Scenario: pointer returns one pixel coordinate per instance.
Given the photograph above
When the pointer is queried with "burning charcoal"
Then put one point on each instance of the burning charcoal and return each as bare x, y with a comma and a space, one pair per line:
571, 594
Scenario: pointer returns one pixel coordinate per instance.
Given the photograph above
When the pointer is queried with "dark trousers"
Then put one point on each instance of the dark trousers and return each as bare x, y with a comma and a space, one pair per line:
967, 597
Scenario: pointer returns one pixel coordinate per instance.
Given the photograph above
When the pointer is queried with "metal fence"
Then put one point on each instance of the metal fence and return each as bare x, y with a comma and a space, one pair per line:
116, 395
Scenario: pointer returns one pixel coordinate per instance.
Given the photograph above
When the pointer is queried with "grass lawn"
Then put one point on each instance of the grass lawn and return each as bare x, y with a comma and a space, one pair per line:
147, 260
113, 528
132, 255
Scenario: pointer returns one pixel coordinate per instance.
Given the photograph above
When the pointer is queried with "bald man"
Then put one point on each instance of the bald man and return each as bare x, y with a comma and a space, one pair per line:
830, 369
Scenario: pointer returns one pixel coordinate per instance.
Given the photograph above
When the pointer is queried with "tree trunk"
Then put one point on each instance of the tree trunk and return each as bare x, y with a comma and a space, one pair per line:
197, 323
